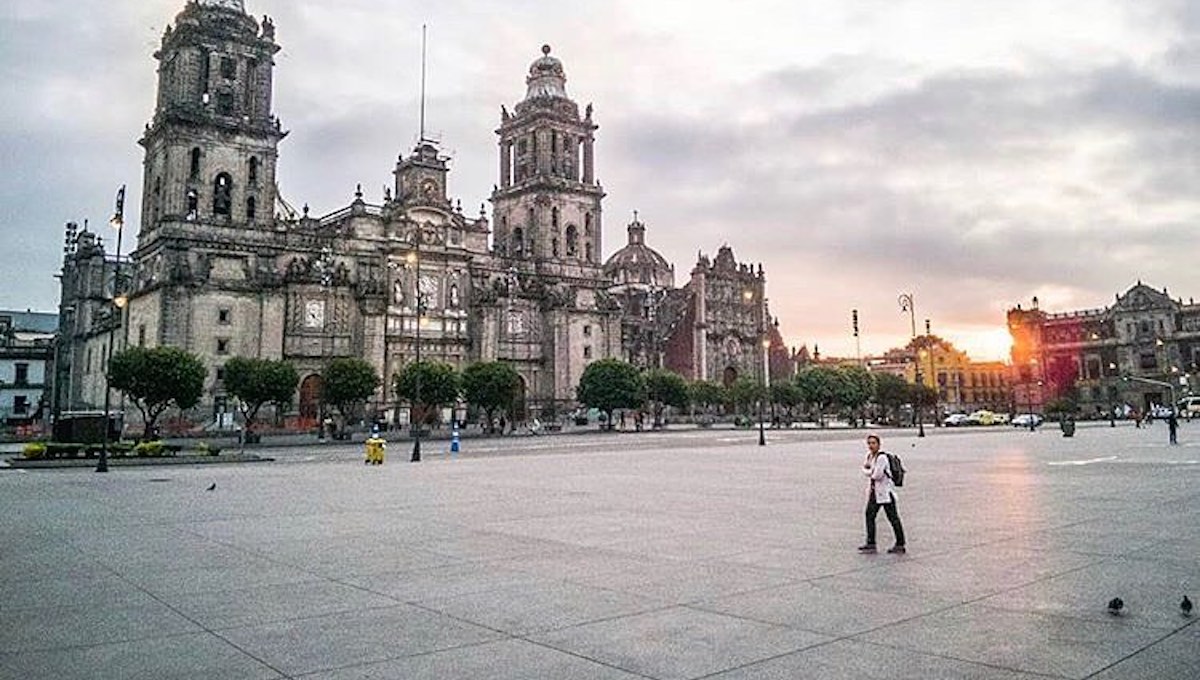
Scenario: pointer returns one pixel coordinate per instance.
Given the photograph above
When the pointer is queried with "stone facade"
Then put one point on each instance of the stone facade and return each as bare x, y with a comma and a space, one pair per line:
1109, 353
224, 267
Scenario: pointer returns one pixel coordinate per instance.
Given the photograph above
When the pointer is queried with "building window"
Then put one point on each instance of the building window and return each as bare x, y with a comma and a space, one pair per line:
222, 345
225, 103
220, 372
193, 204
142, 335
195, 166
228, 68
224, 316
20, 405
517, 247
587, 331
222, 194
252, 175
1148, 361
22, 374
587, 252
572, 241
587, 352
554, 219
251, 207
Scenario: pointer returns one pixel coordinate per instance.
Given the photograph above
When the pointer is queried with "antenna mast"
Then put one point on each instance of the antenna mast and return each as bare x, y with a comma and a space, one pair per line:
422, 83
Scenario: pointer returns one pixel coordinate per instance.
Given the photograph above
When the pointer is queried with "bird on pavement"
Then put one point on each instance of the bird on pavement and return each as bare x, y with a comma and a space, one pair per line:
1115, 606
1186, 606
212, 487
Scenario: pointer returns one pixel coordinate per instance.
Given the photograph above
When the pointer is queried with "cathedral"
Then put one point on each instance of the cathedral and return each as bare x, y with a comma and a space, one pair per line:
223, 267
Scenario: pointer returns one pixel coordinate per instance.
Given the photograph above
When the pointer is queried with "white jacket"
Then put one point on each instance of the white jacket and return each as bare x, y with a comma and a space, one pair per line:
880, 480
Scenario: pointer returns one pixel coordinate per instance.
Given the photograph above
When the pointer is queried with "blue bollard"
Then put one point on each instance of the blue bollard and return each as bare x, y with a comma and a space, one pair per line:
454, 440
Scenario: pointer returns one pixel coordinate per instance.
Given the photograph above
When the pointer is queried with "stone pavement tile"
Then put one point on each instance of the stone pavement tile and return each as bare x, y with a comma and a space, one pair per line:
960, 575
250, 572
824, 608
594, 529
574, 561
51, 627
451, 580
546, 605
182, 657
97, 588
350, 556
679, 642
330, 642
1175, 658
849, 660
685, 545
504, 660
686, 582
1151, 591
803, 561
470, 545
249, 606
1180, 552
166, 553
1092, 538
1034, 643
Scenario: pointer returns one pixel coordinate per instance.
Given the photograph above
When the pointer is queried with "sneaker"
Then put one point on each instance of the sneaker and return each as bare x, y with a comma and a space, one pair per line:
867, 548
897, 550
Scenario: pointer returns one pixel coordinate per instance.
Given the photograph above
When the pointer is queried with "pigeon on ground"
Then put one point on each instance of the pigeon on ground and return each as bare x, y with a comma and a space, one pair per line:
1115, 605
1186, 606
212, 487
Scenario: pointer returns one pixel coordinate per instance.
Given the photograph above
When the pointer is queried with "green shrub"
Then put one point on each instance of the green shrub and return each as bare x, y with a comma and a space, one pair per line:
34, 451
152, 449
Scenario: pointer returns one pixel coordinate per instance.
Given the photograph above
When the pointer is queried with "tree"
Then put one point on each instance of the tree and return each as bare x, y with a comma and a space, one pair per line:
665, 388
440, 383
610, 384
819, 387
154, 378
785, 393
491, 385
746, 392
346, 383
706, 394
260, 381
855, 387
891, 392
922, 396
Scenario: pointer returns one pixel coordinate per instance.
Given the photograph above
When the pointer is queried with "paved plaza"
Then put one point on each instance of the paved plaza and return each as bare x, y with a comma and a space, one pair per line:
656, 555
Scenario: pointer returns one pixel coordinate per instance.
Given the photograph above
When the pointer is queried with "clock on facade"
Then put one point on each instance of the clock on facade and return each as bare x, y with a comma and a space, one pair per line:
314, 314
429, 189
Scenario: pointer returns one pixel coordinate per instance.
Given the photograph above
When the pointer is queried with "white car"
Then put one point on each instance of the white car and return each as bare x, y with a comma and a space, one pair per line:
956, 420
1024, 419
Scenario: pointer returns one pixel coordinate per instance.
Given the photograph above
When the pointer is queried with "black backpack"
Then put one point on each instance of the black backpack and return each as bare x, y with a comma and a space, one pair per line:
895, 469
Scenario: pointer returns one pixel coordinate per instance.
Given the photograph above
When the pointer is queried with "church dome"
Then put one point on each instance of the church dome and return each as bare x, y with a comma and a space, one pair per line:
546, 77
637, 264
235, 5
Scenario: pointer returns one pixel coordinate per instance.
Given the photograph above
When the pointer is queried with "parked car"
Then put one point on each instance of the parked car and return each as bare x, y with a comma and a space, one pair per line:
1160, 411
955, 420
1189, 406
982, 417
1023, 420
1000, 418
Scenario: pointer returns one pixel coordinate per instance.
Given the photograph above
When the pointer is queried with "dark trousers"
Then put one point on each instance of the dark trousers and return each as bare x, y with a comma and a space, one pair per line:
893, 516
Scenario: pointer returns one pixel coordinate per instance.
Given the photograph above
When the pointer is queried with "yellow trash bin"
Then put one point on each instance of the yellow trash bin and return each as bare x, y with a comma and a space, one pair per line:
375, 447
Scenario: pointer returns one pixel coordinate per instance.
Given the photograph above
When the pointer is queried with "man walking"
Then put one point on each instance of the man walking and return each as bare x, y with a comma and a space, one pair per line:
1173, 426
880, 492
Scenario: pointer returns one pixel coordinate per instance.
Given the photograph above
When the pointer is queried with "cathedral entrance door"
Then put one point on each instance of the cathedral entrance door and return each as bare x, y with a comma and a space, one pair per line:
310, 400
730, 376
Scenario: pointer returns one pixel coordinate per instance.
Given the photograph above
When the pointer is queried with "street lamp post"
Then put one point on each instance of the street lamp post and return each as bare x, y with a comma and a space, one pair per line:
908, 304
118, 223
416, 424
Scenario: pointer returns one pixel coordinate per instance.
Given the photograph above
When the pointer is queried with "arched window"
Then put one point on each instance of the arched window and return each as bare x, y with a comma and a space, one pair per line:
193, 204
572, 241
554, 218
251, 204
253, 174
222, 194
517, 245
554, 246
195, 167
587, 252
587, 224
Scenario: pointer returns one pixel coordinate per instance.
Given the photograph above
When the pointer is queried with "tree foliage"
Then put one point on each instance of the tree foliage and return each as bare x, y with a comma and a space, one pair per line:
706, 394
665, 388
440, 385
260, 381
348, 382
746, 392
891, 392
785, 393
610, 384
856, 386
492, 386
154, 378
819, 386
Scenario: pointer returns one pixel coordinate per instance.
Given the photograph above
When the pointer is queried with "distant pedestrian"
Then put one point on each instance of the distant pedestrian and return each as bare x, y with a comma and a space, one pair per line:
1173, 427
622, 419
880, 492
503, 423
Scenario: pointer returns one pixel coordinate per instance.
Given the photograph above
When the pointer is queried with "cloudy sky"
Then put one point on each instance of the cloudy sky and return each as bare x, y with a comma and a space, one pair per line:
974, 154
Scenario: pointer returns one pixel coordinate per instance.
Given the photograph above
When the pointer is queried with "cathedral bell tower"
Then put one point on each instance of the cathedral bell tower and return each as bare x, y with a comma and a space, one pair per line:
212, 144
547, 203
